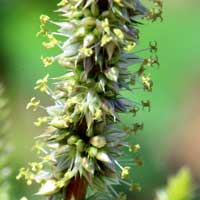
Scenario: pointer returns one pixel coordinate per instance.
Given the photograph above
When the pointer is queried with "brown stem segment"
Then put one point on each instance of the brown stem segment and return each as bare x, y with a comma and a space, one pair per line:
76, 190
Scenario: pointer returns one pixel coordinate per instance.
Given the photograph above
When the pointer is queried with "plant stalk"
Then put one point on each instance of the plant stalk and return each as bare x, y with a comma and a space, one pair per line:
76, 190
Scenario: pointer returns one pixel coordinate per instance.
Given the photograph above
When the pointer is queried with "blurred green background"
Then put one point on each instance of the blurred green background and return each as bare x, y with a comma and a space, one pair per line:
171, 135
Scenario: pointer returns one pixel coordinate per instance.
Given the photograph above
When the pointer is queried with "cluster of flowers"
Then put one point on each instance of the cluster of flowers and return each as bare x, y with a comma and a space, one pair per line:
80, 148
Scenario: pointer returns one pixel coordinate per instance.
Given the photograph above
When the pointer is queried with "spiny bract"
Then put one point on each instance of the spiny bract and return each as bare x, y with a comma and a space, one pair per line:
80, 148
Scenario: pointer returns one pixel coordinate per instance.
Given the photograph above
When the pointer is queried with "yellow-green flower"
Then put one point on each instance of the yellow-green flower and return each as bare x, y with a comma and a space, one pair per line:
86, 51
105, 26
118, 33
36, 167
44, 19
125, 172
105, 39
42, 84
42, 31
51, 43
130, 46
47, 61
134, 148
146, 80
33, 103
40, 121
27, 174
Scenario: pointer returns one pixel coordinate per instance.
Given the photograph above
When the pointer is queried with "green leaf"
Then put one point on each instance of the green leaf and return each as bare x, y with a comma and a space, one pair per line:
180, 186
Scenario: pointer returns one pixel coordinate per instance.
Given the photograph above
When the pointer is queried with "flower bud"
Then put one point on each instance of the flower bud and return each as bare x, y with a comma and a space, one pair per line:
87, 12
92, 151
95, 9
88, 165
98, 141
102, 156
112, 74
88, 40
72, 140
80, 145
58, 123
81, 32
88, 22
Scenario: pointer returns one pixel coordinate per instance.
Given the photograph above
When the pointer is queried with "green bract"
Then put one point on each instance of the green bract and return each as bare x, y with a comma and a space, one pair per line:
80, 148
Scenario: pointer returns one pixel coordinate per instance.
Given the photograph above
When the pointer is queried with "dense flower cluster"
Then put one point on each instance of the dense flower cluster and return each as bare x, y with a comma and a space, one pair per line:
5, 148
80, 148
